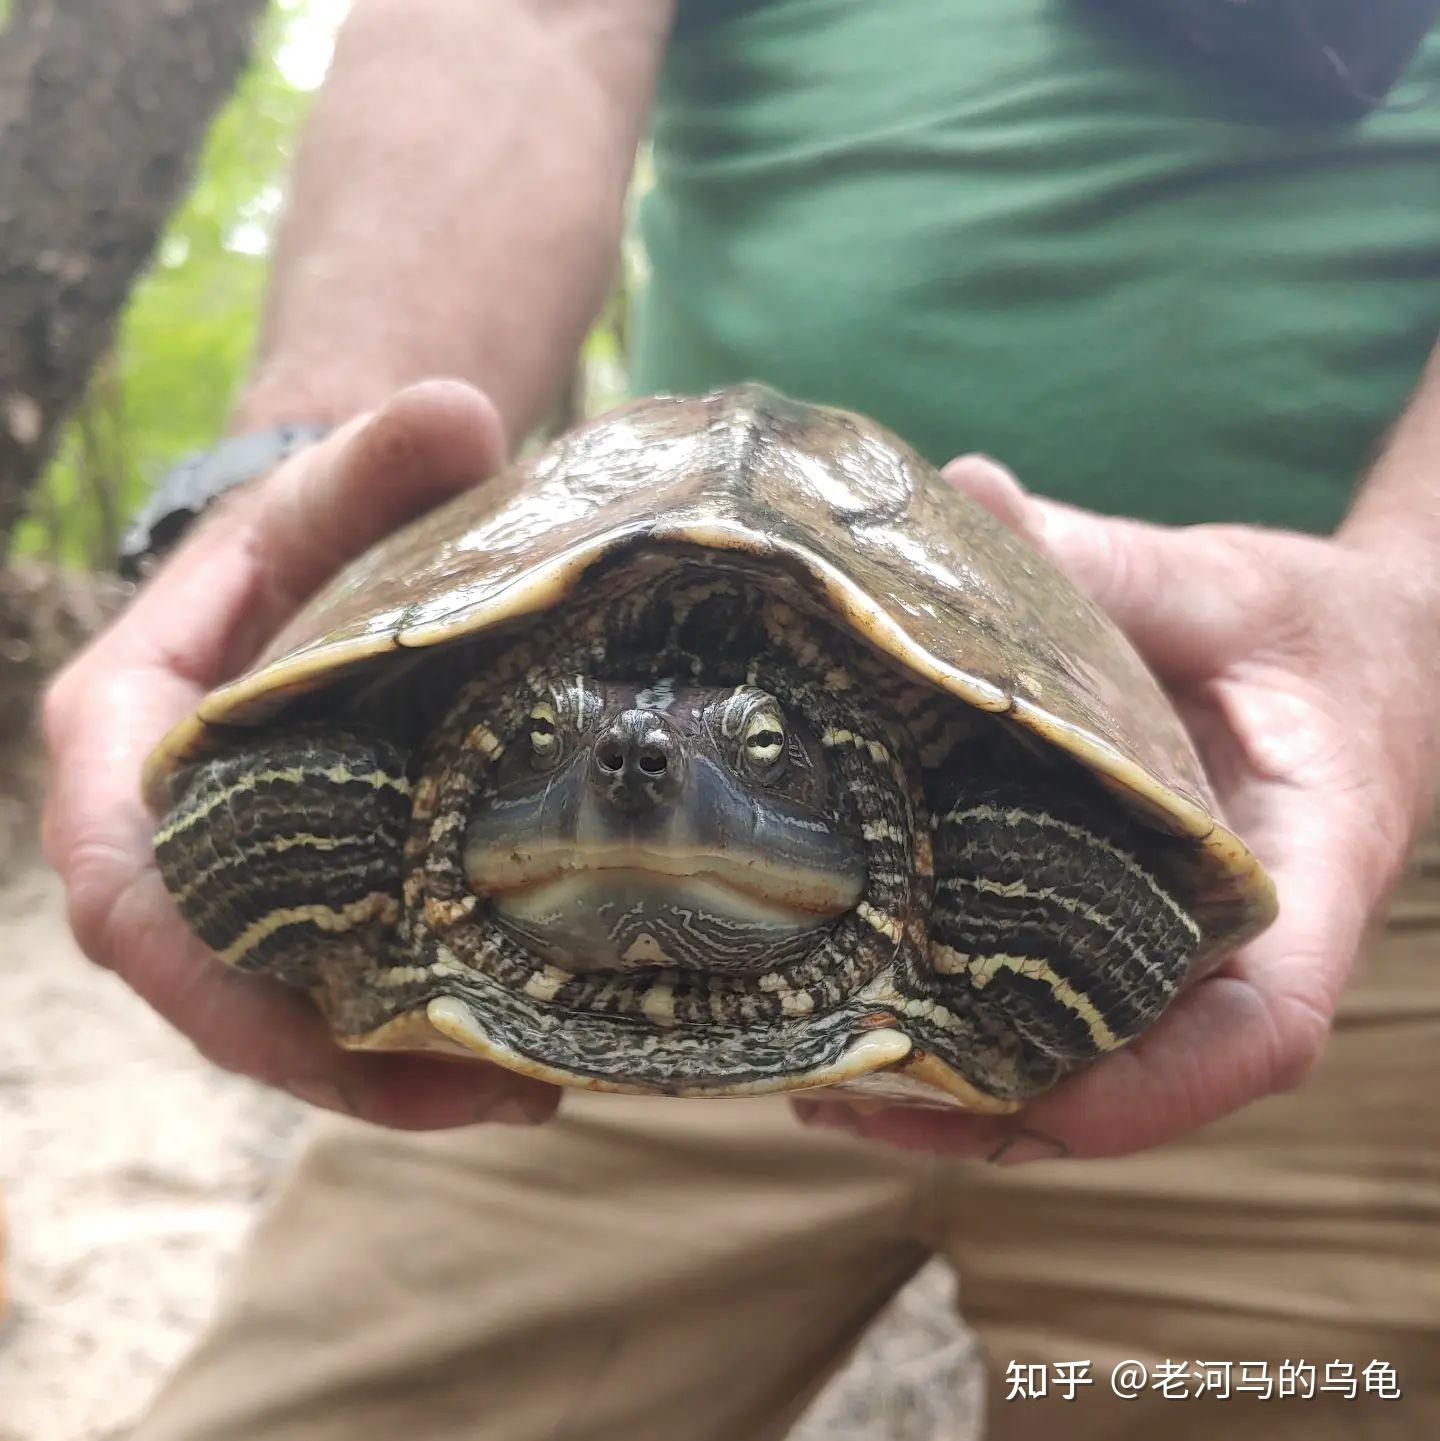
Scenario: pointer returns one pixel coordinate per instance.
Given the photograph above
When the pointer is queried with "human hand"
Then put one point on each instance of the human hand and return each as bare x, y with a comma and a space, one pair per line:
203, 618
1308, 674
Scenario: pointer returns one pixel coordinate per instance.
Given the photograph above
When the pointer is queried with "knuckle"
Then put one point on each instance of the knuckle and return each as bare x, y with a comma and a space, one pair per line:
1118, 567
91, 886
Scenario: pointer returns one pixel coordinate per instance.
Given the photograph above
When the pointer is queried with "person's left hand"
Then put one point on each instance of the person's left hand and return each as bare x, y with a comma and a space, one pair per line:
1308, 673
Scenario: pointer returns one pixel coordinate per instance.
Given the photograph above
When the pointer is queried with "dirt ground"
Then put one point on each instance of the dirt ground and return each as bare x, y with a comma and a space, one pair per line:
130, 1169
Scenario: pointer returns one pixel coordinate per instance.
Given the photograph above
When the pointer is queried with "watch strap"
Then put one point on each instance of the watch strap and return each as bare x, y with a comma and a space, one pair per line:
191, 485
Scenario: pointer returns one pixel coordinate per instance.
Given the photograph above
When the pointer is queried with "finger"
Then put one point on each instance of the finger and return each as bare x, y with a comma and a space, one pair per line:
1188, 598
996, 489
100, 720
1202, 1060
123, 918
246, 570
431, 441
258, 1028
1253, 1028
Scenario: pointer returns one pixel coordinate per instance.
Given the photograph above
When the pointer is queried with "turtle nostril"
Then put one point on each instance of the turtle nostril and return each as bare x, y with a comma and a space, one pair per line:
635, 760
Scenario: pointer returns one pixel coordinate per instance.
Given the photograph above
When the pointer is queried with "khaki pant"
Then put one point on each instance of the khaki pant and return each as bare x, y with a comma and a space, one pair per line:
692, 1271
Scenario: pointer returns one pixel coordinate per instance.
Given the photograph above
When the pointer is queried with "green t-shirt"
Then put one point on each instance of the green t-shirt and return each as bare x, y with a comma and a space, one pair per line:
1015, 227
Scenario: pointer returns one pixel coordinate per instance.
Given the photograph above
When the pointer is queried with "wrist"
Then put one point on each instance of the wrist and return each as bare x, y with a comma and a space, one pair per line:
1394, 654
1405, 565
282, 392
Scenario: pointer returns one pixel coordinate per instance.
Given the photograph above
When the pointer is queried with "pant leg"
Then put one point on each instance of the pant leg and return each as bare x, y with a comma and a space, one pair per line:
657, 1271
1306, 1228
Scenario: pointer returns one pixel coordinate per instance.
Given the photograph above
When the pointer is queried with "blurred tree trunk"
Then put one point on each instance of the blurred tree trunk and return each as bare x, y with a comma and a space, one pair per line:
103, 105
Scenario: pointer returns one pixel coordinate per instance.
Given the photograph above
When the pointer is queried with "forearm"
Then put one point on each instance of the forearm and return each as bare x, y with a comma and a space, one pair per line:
457, 203
1394, 524
1396, 513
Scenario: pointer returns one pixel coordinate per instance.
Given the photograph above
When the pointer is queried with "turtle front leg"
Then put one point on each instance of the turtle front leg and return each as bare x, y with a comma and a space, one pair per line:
1054, 934
284, 856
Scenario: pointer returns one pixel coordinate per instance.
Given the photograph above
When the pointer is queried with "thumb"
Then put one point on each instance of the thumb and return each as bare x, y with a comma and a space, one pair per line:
246, 569
427, 443
1186, 597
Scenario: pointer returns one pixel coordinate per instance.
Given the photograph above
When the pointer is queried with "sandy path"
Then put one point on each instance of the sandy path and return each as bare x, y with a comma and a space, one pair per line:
130, 1169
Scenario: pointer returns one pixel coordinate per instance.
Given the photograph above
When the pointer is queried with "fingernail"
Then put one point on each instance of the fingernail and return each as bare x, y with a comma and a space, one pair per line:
1022, 1146
515, 1111
325, 1094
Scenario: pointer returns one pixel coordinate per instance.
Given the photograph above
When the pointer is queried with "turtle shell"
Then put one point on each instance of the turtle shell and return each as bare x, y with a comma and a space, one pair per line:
874, 536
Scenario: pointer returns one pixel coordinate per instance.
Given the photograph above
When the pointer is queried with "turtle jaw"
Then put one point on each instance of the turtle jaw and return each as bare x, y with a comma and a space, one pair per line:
648, 909
706, 874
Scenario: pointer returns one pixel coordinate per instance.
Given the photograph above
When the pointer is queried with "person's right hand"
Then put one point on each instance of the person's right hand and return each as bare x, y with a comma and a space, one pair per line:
202, 619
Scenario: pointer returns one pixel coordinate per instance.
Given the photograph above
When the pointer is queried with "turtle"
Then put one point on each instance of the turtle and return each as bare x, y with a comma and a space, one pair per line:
721, 747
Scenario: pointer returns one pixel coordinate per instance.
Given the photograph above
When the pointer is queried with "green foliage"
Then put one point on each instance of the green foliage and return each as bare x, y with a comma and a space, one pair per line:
188, 329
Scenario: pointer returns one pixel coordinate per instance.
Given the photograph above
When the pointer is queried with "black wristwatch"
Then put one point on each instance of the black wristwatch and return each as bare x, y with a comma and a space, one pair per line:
188, 487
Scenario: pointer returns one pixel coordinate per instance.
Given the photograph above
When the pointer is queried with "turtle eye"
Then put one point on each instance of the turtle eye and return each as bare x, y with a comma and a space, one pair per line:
544, 732
763, 743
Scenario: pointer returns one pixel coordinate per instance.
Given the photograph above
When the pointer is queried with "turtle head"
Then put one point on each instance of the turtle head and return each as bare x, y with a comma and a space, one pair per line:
637, 825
